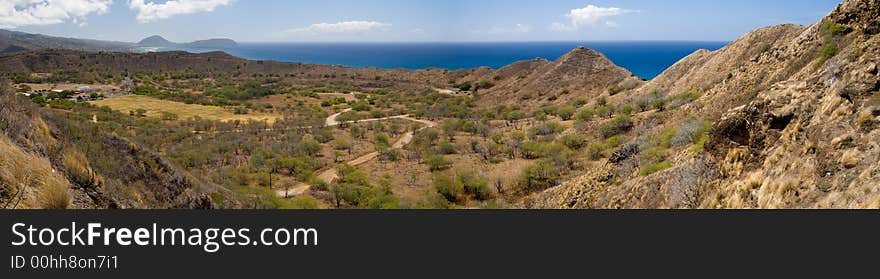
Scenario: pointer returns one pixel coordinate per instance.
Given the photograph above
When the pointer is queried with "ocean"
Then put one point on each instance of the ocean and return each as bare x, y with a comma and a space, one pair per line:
644, 59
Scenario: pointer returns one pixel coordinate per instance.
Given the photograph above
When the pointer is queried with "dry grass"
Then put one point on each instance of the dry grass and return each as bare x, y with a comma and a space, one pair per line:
77, 166
155, 107
850, 158
28, 181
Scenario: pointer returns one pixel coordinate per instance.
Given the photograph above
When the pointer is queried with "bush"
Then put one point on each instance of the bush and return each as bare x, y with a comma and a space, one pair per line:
361, 106
565, 112
614, 89
324, 135
320, 185
465, 86
539, 176
573, 141
167, 116
584, 115
683, 98
596, 150
616, 126
691, 132
484, 84
447, 148
830, 32
546, 129
827, 51
451, 189
438, 163
659, 104
654, 168
475, 186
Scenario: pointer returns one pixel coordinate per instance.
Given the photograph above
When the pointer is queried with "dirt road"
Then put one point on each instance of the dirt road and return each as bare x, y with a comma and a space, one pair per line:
330, 174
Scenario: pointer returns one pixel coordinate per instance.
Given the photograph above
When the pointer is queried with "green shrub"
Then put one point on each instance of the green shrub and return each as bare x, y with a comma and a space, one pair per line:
584, 115
438, 163
546, 129
596, 150
614, 89
827, 51
465, 86
484, 84
616, 126
361, 106
451, 189
654, 168
168, 116
573, 141
831, 32
447, 148
659, 104
565, 112
475, 185
320, 185
539, 176
683, 98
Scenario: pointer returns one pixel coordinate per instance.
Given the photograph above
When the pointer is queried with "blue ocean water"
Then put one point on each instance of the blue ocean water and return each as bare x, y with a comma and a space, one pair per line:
644, 59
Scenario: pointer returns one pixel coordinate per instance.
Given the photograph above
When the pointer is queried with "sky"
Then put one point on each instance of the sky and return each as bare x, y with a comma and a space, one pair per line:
407, 20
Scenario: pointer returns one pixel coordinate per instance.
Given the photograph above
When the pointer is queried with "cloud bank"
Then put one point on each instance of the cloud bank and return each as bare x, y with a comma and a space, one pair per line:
590, 16
339, 27
151, 11
18, 13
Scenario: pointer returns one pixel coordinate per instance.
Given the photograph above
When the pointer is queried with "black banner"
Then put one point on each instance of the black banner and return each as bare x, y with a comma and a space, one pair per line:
415, 244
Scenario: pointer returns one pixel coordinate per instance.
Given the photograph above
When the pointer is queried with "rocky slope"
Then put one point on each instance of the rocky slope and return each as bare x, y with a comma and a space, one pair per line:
795, 112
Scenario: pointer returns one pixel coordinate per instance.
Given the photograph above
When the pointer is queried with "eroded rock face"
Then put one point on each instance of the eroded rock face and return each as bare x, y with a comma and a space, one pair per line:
791, 129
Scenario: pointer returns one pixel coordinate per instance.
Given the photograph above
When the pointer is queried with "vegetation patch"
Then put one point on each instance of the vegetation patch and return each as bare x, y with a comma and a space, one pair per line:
153, 107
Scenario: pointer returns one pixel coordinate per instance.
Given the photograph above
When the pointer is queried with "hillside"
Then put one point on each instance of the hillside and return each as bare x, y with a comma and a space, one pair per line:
794, 111
580, 73
785, 116
53, 160
13, 41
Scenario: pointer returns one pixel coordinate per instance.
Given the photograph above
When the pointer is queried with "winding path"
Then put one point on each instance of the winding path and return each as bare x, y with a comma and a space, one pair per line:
330, 174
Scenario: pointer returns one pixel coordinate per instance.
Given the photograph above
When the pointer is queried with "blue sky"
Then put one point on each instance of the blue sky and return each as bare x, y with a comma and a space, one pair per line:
407, 20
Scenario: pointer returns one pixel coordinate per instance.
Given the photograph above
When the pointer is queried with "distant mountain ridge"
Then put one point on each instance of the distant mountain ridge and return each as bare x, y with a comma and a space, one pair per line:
159, 41
15, 41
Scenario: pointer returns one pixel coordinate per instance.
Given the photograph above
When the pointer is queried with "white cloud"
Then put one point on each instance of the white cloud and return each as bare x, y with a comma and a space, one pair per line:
152, 11
339, 27
590, 16
17, 13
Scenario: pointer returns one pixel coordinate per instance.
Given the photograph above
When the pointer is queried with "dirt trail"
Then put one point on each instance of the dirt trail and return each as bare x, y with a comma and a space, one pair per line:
330, 174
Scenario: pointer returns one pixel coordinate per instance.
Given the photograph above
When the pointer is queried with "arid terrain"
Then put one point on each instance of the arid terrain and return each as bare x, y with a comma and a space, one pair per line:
784, 117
